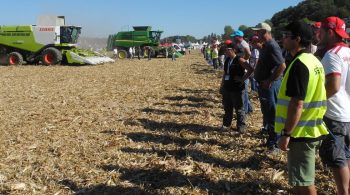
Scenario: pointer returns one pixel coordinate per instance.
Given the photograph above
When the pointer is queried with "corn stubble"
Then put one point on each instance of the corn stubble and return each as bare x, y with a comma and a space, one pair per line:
132, 127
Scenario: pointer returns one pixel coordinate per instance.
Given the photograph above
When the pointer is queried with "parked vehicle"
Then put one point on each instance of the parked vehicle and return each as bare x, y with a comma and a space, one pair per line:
140, 37
50, 42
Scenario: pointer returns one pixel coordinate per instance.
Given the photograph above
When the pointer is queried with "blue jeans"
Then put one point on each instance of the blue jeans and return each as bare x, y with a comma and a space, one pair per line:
246, 102
253, 84
268, 101
215, 63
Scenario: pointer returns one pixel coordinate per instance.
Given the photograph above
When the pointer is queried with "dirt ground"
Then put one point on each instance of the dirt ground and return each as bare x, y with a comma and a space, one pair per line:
132, 127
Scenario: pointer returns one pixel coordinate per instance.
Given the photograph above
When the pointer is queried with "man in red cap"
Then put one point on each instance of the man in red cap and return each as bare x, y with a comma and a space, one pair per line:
334, 150
236, 71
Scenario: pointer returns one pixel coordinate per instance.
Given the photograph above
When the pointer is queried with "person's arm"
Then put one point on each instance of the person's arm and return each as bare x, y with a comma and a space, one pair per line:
295, 109
332, 64
246, 66
332, 84
247, 53
276, 73
222, 81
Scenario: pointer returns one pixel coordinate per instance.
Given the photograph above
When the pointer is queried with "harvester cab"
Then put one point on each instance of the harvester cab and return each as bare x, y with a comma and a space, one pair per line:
49, 42
141, 37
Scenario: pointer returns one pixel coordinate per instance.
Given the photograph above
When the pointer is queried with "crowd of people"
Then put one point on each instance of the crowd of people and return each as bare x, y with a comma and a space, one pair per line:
148, 52
304, 92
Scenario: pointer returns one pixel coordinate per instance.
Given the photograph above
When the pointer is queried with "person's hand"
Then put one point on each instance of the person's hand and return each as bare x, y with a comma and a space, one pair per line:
266, 84
242, 61
283, 143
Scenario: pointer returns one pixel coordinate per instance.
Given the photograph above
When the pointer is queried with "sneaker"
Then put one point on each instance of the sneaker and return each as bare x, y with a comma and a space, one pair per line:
242, 129
273, 150
224, 128
263, 131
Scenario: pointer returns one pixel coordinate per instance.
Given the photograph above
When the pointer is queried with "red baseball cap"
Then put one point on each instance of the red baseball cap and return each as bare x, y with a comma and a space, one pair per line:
336, 24
227, 42
316, 24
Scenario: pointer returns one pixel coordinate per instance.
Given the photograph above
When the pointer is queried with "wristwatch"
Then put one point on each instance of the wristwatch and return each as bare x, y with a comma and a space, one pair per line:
284, 133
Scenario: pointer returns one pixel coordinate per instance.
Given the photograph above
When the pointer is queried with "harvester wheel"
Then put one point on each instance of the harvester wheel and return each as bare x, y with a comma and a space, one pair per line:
51, 56
15, 58
122, 54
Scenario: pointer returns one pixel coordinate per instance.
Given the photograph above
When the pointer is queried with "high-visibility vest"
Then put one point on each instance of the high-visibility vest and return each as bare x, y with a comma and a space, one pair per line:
311, 123
215, 53
208, 50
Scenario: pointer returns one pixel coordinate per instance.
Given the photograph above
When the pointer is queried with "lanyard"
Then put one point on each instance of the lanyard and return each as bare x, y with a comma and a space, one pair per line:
228, 66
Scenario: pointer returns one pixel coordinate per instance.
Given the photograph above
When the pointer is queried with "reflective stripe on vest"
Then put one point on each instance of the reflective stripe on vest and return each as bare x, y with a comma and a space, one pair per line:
315, 104
310, 124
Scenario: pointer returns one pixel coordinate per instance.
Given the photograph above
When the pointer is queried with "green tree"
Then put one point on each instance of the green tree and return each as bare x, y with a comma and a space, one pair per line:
309, 10
228, 30
242, 28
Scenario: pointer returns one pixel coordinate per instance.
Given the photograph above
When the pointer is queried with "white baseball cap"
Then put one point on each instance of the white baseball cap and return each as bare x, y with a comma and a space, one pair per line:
262, 26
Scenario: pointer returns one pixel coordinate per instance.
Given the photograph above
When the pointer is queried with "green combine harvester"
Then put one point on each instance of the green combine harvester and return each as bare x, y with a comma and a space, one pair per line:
141, 36
50, 42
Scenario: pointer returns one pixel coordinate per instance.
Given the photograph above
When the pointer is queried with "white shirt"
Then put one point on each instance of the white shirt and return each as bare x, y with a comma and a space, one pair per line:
254, 57
313, 48
337, 61
243, 45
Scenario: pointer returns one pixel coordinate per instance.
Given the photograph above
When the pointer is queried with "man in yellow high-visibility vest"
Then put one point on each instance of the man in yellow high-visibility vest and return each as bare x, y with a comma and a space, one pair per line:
301, 106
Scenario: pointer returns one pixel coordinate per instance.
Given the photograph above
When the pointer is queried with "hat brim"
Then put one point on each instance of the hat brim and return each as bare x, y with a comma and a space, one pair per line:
342, 34
256, 29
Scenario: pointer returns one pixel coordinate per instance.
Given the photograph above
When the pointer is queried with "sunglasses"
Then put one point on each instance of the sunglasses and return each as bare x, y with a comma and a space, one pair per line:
286, 35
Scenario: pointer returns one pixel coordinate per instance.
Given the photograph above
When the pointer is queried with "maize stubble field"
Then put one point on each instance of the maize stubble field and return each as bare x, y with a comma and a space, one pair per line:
132, 127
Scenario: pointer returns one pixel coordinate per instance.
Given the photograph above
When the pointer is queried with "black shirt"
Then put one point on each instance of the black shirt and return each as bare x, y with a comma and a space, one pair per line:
298, 79
233, 70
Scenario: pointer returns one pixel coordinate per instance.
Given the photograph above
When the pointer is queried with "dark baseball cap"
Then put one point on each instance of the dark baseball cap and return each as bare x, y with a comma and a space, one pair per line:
301, 29
230, 46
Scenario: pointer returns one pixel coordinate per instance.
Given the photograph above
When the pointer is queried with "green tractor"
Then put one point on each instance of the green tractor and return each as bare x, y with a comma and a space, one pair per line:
50, 42
140, 38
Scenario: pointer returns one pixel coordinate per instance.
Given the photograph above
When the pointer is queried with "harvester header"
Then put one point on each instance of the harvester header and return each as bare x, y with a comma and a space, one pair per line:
49, 42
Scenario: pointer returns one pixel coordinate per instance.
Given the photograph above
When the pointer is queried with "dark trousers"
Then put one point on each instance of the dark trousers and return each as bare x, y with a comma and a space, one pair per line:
233, 100
268, 101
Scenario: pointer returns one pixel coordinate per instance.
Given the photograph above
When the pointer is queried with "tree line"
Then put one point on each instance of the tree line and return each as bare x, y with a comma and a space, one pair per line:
308, 10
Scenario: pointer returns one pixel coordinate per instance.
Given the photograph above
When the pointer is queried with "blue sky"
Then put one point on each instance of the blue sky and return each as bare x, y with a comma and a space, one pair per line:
99, 18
